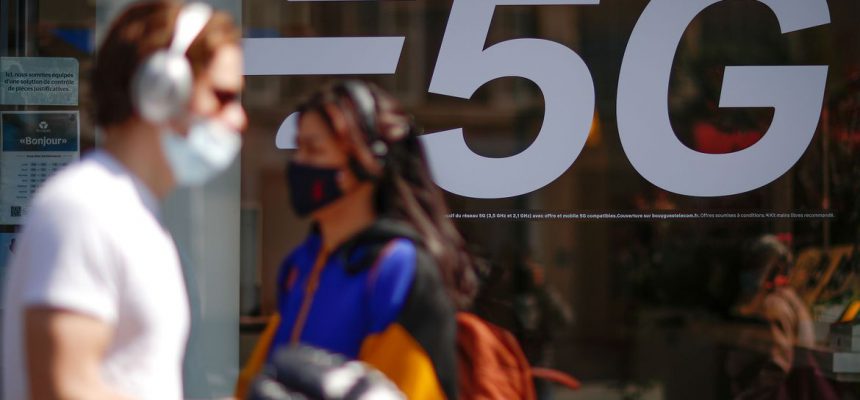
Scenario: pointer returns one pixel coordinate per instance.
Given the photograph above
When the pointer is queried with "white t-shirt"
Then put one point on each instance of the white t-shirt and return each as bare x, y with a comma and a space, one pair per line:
92, 244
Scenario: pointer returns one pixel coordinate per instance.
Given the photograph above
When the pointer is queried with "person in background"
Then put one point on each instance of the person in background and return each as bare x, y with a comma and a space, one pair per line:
772, 359
517, 297
542, 316
96, 304
381, 274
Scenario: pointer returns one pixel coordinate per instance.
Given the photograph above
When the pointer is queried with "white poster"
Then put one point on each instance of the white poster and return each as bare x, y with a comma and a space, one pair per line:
39, 81
35, 145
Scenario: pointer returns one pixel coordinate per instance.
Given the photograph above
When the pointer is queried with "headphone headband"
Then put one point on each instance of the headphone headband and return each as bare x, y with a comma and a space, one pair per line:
190, 22
162, 85
365, 104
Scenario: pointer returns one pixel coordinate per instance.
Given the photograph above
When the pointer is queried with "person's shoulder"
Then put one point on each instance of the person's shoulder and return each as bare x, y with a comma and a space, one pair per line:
408, 263
399, 250
82, 190
304, 254
780, 303
426, 267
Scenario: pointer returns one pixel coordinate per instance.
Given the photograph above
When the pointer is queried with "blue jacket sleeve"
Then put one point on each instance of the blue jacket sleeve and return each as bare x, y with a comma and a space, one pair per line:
390, 282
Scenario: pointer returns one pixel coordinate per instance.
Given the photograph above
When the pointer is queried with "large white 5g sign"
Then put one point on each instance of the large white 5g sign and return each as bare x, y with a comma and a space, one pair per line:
463, 66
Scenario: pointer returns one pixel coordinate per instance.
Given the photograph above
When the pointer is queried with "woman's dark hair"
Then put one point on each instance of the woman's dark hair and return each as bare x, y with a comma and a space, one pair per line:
384, 146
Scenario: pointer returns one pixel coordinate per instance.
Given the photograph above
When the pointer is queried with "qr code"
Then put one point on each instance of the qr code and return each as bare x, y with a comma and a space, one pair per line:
16, 211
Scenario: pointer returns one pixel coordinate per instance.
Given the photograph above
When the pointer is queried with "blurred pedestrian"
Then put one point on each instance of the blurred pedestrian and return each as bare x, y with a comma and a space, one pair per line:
383, 271
517, 298
96, 304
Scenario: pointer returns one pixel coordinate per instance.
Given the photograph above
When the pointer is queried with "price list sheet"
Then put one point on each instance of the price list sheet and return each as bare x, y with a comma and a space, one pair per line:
35, 145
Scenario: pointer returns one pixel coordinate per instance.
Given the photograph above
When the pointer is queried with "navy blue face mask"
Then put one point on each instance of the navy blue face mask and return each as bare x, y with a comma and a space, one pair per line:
311, 188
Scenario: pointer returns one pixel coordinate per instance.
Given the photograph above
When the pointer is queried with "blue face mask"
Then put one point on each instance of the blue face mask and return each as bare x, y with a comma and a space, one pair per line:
208, 150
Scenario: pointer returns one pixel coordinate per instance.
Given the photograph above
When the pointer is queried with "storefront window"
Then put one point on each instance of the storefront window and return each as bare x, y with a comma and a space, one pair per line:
628, 265
665, 191
45, 56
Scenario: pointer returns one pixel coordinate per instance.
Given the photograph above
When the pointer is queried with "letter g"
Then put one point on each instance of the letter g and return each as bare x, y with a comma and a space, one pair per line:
795, 92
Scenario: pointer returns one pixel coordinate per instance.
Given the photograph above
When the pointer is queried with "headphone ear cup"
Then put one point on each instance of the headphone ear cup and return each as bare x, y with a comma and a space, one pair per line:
161, 87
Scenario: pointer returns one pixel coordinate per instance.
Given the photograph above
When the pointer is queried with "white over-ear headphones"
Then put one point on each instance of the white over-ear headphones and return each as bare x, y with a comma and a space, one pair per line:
161, 86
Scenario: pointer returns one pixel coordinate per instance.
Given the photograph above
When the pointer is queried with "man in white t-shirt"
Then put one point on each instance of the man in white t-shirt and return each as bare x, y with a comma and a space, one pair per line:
95, 304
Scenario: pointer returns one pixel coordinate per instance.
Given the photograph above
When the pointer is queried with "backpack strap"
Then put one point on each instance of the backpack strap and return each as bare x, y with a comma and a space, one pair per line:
381, 254
258, 357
